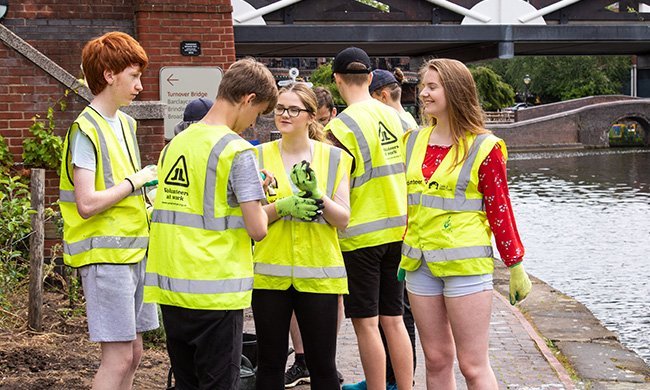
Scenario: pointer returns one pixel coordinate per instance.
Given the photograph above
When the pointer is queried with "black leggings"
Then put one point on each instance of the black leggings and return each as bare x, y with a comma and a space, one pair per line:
316, 315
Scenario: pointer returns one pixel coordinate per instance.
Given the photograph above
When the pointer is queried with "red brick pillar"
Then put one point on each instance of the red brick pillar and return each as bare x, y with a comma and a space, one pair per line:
161, 26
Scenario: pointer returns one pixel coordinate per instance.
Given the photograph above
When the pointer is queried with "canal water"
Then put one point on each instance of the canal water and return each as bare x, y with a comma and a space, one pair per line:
584, 219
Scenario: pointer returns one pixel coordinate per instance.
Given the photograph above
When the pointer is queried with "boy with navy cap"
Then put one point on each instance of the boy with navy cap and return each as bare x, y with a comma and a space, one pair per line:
371, 243
194, 112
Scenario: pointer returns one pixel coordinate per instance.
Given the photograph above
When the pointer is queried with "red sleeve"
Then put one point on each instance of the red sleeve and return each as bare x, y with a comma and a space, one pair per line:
493, 183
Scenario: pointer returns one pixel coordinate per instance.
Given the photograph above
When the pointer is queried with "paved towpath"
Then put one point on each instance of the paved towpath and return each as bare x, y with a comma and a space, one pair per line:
519, 357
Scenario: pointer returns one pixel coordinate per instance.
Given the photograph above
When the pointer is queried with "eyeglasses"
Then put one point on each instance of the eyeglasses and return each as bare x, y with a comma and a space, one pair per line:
292, 111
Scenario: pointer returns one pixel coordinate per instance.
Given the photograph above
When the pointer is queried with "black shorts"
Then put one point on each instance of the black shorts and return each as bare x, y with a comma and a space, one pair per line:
372, 281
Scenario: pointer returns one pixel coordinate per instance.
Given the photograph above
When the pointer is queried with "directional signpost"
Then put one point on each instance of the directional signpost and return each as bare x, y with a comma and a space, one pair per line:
181, 84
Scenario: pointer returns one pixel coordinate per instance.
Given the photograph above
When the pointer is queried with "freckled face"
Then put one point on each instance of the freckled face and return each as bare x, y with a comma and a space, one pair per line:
126, 84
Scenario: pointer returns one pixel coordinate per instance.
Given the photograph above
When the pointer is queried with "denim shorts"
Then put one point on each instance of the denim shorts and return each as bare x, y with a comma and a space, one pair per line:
114, 305
422, 282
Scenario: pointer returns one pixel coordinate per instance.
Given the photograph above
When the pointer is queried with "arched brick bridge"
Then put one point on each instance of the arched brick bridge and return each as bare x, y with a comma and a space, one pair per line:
576, 123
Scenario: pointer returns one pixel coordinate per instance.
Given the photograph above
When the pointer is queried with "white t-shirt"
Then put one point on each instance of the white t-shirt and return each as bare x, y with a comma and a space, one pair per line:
83, 151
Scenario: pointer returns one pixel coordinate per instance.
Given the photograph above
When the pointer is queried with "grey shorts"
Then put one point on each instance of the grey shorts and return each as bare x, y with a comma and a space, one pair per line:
422, 282
114, 305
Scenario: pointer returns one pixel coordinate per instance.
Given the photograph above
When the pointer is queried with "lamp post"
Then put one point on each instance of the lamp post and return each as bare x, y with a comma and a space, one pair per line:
526, 82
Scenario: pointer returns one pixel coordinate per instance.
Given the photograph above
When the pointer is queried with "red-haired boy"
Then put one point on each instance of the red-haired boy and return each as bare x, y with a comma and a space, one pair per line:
106, 225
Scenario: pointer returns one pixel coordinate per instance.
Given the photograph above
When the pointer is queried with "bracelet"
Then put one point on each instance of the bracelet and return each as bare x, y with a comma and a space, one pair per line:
130, 182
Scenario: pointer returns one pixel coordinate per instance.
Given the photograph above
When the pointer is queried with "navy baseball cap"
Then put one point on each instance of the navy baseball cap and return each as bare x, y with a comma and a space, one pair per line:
196, 109
194, 112
381, 78
348, 56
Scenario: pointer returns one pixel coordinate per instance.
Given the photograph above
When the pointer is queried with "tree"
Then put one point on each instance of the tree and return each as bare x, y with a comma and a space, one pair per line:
558, 78
493, 92
322, 77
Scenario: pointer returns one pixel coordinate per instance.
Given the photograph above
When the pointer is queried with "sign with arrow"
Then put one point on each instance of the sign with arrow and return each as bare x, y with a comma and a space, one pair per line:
181, 84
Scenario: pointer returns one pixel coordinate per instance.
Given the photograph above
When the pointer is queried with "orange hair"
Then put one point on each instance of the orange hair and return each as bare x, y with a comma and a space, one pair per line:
113, 51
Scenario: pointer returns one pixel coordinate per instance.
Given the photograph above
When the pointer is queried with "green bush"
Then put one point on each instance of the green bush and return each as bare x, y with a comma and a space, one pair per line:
6, 159
45, 149
322, 77
15, 212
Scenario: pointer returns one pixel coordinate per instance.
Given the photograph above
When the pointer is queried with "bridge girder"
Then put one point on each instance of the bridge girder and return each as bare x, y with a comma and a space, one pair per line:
466, 43
417, 28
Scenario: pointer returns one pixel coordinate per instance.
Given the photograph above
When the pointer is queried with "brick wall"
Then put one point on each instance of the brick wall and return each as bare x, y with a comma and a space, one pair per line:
162, 26
60, 28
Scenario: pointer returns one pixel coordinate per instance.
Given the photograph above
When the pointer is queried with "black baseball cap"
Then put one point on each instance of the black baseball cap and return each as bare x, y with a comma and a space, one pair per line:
348, 56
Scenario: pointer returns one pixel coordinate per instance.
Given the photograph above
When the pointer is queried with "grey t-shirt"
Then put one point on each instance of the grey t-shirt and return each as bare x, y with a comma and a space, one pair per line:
244, 183
82, 150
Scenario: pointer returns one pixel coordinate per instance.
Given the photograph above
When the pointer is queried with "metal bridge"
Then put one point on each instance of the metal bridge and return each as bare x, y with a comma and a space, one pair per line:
467, 30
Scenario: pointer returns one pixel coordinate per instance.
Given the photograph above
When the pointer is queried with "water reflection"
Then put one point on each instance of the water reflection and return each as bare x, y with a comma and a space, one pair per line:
584, 218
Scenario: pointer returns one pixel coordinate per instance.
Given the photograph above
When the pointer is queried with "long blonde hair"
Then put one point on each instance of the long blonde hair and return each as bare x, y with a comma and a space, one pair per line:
308, 98
463, 108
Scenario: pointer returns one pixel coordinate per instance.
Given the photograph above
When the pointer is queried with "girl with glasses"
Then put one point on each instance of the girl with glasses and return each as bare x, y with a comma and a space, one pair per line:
299, 266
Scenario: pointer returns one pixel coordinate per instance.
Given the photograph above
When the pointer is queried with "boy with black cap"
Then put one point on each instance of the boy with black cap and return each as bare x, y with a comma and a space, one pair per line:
371, 244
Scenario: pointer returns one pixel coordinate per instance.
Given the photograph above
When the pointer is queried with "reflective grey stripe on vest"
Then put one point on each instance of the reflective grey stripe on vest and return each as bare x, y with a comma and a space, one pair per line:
335, 157
207, 220
105, 242
300, 272
182, 218
131, 123
452, 204
405, 126
385, 170
466, 170
448, 254
188, 286
260, 156
373, 226
410, 144
364, 149
106, 159
66, 196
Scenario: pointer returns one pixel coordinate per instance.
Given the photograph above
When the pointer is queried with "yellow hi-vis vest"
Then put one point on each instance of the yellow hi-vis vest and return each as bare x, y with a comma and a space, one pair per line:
200, 254
306, 255
447, 224
120, 234
372, 132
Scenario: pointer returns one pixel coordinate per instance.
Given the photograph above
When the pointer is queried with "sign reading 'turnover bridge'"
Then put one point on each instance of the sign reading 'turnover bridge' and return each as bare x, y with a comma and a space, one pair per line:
181, 84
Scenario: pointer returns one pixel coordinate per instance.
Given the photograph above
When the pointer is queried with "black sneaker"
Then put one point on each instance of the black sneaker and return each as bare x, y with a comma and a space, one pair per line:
295, 375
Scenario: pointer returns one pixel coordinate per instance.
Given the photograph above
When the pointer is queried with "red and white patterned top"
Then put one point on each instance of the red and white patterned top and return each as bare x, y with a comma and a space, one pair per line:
493, 184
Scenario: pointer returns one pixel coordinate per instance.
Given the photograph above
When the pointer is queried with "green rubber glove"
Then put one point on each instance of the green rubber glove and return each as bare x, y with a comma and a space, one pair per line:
520, 284
306, 209
305, 179
401, 274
